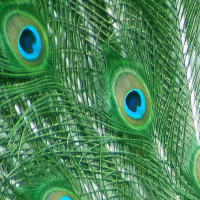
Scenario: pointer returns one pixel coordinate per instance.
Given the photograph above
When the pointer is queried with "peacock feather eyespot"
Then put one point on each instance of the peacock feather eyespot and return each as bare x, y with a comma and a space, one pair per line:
196, 166
132, 96
57, 193
26, 39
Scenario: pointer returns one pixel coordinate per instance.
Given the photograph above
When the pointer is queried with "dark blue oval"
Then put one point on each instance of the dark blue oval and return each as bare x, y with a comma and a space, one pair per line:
135, 104
30, 43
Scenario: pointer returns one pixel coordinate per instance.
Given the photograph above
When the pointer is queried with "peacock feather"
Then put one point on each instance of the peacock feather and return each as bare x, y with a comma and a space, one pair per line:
99, 99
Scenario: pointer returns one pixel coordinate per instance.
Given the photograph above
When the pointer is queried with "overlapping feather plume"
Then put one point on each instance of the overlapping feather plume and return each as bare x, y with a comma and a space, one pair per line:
99, 99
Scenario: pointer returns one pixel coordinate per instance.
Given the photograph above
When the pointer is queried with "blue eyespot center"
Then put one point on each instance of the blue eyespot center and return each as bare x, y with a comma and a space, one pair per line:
133, 100
30, 43
27, 39
65, 198
135, 104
